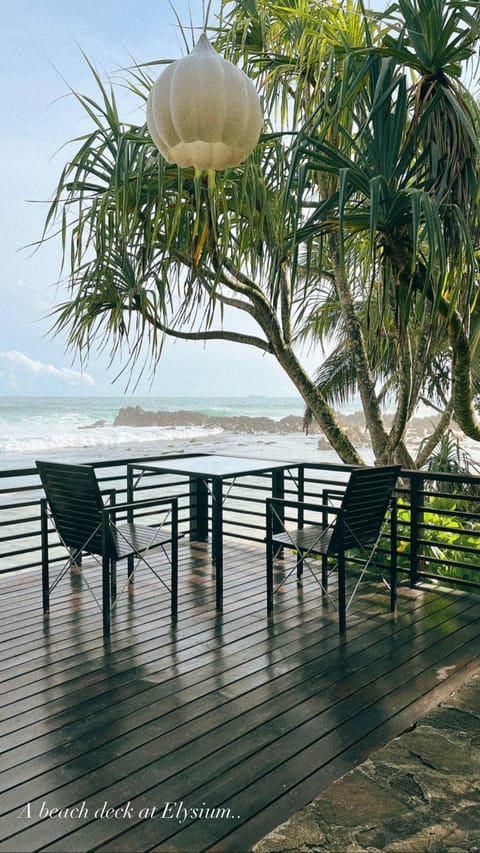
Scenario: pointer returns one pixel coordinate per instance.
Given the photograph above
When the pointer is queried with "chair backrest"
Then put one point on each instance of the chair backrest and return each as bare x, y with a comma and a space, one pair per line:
76, 503
365, 502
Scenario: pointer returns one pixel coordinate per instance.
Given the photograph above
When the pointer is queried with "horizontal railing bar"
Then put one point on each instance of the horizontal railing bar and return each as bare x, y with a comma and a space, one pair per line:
461, 531
458, 513
28, 565
28, 535
450, 561
17, 552
442, 543
443, 579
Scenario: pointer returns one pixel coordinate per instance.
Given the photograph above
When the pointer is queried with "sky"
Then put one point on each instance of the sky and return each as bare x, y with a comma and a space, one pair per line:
42, 48
42, 43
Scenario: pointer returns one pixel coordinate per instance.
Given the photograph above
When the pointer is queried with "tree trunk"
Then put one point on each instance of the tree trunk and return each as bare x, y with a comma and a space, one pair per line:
462, 392
365, 383
322, 412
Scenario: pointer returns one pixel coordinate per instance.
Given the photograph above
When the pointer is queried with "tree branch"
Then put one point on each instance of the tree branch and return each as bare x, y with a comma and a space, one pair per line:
220, 335
428, 446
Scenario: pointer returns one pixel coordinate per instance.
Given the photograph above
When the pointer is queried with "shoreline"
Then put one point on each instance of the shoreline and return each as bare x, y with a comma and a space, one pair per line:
136, 417
104, 430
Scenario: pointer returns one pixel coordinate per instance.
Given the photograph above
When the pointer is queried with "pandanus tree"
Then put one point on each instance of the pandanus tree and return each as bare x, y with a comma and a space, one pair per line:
355, 217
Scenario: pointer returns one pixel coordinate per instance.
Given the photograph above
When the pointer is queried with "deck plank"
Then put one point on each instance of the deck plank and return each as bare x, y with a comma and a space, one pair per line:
233, 711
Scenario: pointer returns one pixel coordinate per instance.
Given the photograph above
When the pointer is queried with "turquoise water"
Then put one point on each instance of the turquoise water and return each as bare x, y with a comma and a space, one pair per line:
60, 427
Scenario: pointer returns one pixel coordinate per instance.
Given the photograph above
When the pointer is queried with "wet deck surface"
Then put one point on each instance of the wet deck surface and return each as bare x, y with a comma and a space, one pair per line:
418, 794
241, 719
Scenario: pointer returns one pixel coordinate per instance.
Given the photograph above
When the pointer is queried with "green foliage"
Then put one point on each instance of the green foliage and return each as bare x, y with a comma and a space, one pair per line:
450, 534
449, 457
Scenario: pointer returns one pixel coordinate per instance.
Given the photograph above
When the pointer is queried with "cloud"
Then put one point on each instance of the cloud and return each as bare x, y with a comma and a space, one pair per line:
42, 369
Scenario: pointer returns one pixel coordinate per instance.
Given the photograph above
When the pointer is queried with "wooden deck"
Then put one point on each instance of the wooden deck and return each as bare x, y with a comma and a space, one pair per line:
243, 720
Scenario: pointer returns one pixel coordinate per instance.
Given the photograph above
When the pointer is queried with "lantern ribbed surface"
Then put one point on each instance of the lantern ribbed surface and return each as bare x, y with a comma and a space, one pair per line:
203, 111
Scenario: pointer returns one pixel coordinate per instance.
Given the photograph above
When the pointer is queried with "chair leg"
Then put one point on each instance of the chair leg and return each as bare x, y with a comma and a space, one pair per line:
45, 567
269, 578
174, 580
130, 569
106, 593
324, 572
393, 557
174, 595
300, 568
342, 609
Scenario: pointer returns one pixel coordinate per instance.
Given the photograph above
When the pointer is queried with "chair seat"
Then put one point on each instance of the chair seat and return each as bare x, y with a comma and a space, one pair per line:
130, 539
313, 538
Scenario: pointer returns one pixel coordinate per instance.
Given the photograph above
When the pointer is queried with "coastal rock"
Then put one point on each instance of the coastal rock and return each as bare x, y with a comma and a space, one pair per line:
292, 423
96, 425
137, 417
353, 423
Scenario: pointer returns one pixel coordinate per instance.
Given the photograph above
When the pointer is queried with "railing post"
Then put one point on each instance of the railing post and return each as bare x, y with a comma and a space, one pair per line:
416, 486
301, 495
278, 491
113, 566
130, 493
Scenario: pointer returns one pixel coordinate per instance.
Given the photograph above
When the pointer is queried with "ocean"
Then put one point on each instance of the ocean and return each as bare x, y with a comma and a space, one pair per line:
63, 428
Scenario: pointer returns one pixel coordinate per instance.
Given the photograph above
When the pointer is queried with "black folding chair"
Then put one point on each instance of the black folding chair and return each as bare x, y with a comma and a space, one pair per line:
355, 521
86, 524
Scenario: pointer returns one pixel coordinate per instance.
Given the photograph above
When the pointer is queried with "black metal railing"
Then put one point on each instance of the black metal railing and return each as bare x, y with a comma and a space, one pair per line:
438, 518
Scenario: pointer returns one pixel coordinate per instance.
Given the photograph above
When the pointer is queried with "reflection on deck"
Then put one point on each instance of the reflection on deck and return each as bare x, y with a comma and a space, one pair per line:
209, 735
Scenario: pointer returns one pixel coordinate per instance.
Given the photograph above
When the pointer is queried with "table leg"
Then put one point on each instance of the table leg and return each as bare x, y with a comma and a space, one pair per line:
198, 510
217, 537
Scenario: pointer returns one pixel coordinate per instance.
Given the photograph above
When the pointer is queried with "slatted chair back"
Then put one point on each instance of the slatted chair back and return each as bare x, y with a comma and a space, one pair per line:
76, 504
365, 502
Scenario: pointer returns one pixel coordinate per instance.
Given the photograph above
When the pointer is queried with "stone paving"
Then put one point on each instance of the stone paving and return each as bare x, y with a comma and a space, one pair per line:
418, 794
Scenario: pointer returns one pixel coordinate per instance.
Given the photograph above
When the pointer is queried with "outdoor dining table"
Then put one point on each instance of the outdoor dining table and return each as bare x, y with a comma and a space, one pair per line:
208, 473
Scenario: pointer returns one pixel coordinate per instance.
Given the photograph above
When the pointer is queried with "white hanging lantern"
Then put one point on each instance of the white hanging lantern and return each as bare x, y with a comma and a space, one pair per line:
203, 111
